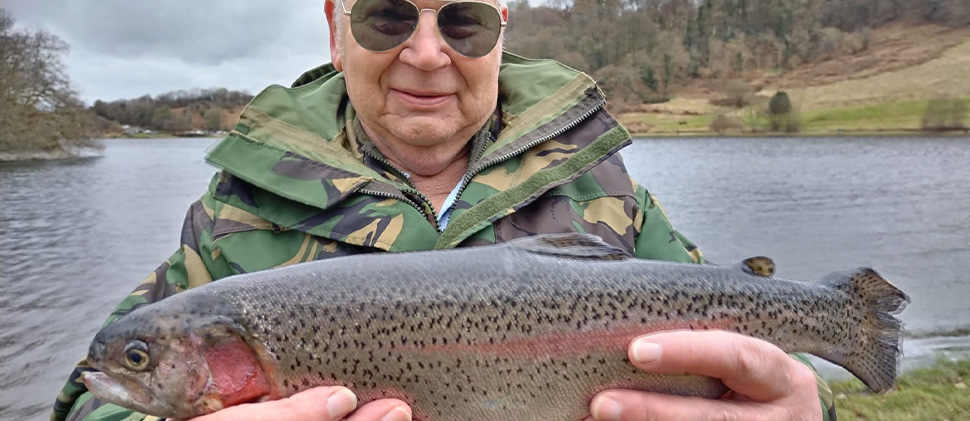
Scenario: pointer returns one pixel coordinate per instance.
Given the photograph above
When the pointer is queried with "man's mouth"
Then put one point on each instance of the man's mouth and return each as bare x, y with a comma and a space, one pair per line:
423, 99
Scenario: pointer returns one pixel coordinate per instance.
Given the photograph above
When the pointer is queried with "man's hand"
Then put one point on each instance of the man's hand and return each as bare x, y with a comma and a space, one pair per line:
766, 383
317, 404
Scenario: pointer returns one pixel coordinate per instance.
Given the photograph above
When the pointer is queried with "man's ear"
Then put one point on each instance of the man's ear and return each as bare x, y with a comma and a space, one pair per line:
329, 6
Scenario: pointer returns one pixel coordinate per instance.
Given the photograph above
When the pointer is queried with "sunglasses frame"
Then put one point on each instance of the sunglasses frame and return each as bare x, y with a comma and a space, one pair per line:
502, 20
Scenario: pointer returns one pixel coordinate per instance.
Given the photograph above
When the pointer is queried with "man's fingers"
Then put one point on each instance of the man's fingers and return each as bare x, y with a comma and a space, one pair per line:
749, 366
382, 410
339, 403
767, 383
317, 404
321, 403
628, 405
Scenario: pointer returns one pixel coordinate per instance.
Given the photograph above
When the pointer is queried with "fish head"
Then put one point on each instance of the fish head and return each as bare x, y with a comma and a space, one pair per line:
173, 366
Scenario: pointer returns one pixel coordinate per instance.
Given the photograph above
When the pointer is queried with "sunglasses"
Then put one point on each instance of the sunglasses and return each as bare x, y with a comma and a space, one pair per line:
471, 28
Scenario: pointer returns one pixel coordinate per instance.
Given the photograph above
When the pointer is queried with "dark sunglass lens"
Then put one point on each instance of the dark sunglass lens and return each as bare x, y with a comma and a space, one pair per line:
471, 28
381, 25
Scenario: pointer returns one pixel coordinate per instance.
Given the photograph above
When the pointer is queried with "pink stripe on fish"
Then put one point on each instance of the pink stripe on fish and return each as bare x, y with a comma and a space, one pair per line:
574, 343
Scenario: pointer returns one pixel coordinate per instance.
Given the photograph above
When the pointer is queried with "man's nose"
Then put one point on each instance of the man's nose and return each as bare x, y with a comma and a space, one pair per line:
425, 49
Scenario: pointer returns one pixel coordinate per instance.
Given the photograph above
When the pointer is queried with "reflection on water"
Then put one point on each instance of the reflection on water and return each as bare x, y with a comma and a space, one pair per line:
76, 236
821, 205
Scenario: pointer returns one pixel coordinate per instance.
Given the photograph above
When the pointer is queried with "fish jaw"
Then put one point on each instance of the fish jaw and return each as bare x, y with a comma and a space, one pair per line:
126, 393
196, 365
178, 388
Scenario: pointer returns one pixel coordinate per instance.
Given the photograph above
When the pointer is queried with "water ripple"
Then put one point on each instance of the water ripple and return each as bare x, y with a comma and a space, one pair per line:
76, 236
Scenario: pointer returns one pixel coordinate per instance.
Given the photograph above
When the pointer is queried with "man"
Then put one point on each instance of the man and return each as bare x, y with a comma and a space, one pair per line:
421, 135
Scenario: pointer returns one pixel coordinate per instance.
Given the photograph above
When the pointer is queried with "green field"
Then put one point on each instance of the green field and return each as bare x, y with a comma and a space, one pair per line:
938, 392
900, 116
666, 123
890, 118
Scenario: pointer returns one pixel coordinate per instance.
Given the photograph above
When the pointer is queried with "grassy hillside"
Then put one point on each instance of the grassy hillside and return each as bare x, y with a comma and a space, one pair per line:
885, 89
947, 75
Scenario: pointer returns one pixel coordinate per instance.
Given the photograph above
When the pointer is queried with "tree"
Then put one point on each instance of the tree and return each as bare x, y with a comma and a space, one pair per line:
782, 115
649, 77
715, 39
724, 123
162, 119
779, 104
39, 110
738, 93
213, 119
174, 111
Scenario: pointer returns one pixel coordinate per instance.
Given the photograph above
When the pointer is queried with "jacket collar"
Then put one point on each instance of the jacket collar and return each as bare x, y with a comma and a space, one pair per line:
299, 142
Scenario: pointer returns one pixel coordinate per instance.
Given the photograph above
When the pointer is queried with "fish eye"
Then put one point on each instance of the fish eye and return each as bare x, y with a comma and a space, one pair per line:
136, 355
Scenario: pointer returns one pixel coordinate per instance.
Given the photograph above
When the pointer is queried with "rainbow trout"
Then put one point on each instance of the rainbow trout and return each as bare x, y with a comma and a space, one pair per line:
526, 330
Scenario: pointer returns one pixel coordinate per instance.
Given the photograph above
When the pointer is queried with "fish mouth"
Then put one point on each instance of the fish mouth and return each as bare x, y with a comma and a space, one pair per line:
118, 392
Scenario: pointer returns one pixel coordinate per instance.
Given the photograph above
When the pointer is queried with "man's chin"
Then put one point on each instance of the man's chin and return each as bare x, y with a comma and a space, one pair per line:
427, 130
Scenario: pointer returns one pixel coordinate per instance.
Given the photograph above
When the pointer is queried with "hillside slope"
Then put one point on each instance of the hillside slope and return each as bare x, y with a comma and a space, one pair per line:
942, 77
885, 87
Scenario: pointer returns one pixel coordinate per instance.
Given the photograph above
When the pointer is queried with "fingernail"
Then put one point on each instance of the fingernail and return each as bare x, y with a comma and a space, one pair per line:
341, 403
606, 409
398, 414
646, 352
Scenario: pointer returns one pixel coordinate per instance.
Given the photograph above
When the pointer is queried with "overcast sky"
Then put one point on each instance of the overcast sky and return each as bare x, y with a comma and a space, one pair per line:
129, 48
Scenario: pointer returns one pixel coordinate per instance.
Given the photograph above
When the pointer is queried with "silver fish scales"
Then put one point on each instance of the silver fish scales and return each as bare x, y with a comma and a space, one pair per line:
531, 329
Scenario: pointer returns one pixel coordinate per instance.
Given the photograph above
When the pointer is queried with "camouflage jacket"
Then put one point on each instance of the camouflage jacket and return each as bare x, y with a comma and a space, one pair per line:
300, 182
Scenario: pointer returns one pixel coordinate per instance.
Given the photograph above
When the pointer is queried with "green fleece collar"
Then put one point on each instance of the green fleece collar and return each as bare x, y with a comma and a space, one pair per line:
310, 118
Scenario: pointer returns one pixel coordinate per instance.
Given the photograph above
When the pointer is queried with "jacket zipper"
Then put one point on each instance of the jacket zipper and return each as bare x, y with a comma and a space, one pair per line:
480, 167
466, 179
412, 189
404, 199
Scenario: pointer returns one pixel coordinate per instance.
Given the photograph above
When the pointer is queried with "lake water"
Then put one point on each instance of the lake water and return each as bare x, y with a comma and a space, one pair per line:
77, 235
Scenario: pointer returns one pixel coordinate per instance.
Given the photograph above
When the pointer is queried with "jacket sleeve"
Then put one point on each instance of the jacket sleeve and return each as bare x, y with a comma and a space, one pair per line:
188, 267
658, 240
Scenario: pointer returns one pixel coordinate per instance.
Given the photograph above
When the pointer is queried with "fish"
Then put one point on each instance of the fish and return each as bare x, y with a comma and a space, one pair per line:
528, 329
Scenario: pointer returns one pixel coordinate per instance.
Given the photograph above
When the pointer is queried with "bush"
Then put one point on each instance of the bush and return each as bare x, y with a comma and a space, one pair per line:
780, 104
782, 115
724, 123
737, 94
945, 114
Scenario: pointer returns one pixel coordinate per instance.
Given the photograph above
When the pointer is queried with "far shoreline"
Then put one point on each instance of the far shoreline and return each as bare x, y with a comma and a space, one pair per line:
43, 156
55, 155
81, 153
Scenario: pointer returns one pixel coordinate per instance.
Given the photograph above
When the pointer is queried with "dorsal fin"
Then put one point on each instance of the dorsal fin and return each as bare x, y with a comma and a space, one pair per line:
572, 245
759, 266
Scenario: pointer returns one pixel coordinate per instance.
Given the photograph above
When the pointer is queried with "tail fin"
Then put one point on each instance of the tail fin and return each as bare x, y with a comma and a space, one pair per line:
876, 344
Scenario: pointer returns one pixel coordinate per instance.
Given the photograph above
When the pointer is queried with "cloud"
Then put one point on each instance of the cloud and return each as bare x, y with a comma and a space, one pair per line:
111, 78
126, 48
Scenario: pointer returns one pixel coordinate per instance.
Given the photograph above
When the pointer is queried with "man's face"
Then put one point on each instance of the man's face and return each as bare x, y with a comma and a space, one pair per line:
422, 93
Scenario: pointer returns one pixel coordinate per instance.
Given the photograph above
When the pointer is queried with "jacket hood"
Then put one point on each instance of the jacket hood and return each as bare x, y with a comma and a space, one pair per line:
298, 144
311, 120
